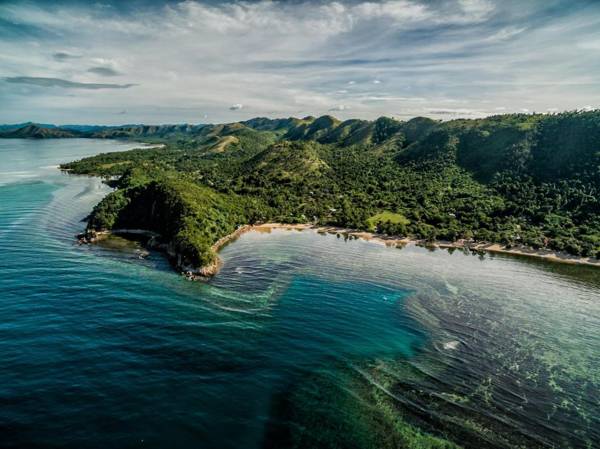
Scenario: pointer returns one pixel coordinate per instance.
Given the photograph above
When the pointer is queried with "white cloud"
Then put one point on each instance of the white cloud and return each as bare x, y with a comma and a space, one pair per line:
236, 107
506, 33
398, 10
285, 57
392, 98
453, 112
476, 10
341, 107
589, 44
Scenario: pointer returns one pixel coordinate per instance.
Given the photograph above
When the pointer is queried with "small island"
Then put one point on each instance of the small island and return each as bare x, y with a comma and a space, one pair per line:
523, 183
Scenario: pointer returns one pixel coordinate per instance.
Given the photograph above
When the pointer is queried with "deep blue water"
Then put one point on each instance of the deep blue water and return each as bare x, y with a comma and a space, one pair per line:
102, 348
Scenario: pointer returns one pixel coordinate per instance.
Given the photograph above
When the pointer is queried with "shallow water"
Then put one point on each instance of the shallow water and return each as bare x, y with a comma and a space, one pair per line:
303, 340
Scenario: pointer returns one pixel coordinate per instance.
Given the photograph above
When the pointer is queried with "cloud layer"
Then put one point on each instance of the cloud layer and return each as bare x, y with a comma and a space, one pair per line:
197, 61
57, 82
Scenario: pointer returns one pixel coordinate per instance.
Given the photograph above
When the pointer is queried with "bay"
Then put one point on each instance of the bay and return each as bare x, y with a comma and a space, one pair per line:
302, 340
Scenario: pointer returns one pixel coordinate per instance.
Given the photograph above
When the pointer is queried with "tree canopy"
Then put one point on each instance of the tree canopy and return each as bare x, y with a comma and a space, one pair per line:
518, 179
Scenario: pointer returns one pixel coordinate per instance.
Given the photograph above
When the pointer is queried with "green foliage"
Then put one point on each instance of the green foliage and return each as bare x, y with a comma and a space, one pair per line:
568, 145
517, 179
189, 217
384, 128
33, 131
388, 223
106, 213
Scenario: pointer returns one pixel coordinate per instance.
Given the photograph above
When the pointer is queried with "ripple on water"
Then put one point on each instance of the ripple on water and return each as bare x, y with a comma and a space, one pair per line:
354, 343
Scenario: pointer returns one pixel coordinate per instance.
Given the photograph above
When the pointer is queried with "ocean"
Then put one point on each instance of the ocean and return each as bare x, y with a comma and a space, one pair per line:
302, 340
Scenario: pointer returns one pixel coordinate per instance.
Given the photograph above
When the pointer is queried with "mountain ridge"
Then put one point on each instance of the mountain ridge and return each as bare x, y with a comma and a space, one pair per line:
517, 179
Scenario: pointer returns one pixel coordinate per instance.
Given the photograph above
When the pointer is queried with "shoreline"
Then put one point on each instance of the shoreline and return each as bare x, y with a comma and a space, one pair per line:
395, 241
206, 272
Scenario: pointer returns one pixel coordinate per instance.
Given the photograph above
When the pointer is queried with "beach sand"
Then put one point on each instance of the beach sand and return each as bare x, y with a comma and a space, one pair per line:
395, 241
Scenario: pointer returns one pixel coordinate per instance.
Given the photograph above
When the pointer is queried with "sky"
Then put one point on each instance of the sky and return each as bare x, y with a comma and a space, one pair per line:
117, 62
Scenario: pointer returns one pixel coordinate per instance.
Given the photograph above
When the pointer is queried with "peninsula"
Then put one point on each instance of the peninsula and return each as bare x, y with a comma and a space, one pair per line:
525, 181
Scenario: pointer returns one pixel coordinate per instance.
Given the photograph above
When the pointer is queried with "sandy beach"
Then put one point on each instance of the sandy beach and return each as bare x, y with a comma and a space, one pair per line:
202, 273
395, 241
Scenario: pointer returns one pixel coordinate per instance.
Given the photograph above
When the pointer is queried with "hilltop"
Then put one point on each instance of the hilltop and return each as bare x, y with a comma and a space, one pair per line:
517, 180
33, 131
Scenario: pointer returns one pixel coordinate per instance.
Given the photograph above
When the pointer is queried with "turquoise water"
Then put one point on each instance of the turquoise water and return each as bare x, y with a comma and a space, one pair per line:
303, 340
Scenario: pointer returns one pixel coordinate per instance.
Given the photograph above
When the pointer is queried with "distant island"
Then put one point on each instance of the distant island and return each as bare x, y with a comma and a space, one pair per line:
32, 130
524, 181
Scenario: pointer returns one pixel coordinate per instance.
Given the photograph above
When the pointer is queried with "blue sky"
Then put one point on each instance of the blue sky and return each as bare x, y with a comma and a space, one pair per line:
222, 61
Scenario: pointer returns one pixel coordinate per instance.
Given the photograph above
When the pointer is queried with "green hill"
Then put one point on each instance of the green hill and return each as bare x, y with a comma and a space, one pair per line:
188, 217
531, 180
33, 131
287, 162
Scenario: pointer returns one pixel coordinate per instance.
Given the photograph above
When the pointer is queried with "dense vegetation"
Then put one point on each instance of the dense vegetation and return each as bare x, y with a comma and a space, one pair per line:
521, 179
188, 216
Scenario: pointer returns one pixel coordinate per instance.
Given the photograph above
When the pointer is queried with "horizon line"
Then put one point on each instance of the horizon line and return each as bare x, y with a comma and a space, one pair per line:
393, 117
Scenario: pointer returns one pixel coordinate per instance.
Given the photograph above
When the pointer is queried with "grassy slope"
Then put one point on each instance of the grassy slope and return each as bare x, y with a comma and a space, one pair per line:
385, 217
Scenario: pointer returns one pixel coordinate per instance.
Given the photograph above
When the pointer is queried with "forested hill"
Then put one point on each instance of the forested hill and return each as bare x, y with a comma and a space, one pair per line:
521, 179
140, 132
